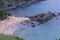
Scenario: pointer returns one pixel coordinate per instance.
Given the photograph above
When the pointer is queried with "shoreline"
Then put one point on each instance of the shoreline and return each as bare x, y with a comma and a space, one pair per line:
9, 25
23, 4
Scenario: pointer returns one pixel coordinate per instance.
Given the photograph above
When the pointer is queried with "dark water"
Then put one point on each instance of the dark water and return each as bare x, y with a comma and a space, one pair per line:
47, 31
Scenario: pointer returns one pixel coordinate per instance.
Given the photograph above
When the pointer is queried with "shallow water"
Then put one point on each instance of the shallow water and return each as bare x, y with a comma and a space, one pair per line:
47, 31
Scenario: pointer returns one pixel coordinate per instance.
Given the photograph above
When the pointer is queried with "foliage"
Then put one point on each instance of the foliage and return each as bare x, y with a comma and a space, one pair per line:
5, 3
41, 15
4, 14
9, 37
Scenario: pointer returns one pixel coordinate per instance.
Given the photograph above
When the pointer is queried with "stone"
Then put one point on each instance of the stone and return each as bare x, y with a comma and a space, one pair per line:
42, 18
56, 18
13, 8
58, 13
33, 25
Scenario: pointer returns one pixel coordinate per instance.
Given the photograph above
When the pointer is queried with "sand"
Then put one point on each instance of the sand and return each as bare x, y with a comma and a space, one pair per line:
8, 26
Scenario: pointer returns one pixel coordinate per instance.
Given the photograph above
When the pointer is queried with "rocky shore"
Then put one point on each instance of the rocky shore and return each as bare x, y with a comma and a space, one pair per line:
21, 4
9, 25
43, 17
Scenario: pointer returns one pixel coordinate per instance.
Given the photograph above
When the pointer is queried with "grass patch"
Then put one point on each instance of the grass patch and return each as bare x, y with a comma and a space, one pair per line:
9, 37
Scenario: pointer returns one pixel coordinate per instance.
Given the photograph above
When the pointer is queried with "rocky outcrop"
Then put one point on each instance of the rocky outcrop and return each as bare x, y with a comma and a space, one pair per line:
42, 18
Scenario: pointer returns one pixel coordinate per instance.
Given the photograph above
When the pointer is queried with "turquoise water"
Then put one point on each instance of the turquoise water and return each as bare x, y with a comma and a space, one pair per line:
47, 31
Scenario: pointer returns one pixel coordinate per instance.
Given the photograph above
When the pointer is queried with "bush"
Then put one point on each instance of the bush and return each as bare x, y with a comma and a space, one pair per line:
41, 15
9, 37
4, 14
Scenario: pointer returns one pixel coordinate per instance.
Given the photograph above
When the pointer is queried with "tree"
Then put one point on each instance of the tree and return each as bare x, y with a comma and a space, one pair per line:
4, 14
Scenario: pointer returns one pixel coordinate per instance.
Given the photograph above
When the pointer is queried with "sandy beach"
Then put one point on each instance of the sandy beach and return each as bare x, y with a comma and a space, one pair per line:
8, 26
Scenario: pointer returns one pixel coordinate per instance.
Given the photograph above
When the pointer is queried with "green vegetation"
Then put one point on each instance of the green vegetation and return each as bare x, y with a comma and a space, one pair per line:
41, 15
9, 37
7, 3
4, 14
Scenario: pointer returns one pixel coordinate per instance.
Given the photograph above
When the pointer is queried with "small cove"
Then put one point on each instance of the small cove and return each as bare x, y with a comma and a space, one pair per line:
47, 31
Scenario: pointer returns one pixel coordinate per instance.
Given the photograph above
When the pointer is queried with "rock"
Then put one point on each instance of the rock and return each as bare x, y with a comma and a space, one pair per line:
21, 22
42, 18
33, 26
17, 6
45, 20
32, 23
9, 5
13, 8
58, 13
41, 21
56, 18
24, 24
53, 15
